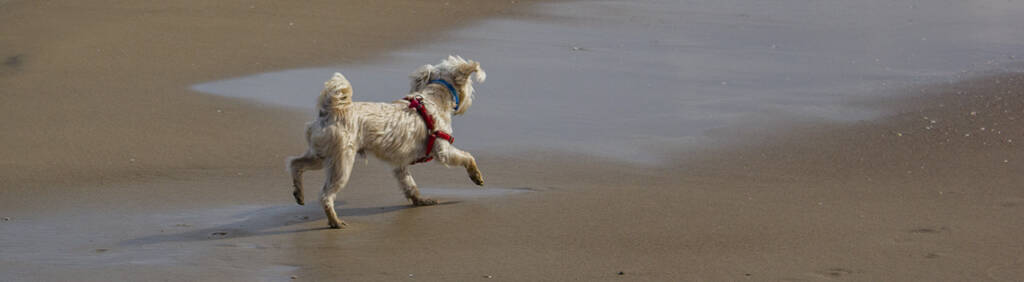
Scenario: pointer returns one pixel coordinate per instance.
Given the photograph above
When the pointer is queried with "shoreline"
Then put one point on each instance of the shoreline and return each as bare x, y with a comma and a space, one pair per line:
63, 130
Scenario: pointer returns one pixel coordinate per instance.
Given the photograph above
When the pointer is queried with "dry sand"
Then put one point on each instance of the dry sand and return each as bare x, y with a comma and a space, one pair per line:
113, 170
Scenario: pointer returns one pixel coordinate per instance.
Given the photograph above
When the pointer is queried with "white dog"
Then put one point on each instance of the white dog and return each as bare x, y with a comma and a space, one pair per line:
395, 132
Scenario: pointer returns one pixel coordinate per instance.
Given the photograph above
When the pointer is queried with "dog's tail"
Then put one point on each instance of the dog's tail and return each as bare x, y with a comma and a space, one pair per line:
336, 95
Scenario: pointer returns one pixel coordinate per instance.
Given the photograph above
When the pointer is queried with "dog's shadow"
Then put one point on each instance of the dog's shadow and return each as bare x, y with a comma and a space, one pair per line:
263, 222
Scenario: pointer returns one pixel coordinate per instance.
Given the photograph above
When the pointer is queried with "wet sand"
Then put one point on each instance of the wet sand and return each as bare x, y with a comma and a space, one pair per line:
114, 170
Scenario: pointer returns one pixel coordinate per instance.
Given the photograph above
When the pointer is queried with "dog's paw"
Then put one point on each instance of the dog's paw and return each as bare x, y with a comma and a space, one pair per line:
337, 225
298, 198
477, 177
424, 202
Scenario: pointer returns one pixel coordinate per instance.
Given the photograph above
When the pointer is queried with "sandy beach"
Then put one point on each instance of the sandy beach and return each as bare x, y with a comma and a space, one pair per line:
112, 168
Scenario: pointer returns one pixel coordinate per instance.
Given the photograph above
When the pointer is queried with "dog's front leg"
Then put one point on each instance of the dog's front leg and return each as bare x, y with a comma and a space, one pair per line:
408, 186
451, 156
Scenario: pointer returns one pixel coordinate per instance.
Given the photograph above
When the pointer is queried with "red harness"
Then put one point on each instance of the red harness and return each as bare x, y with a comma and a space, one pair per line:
417, 104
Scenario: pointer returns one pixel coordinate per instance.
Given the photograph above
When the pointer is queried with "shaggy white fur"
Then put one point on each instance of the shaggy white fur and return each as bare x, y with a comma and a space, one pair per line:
392, 132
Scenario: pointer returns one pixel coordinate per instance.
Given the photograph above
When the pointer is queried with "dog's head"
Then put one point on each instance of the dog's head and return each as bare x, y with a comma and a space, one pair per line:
455, 70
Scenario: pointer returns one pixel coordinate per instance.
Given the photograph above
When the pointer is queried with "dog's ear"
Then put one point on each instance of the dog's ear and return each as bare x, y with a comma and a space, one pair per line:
472, 67
420, 77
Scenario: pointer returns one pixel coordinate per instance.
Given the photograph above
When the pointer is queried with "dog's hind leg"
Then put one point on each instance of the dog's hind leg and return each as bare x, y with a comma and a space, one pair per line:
297, 166
339, 169
408, 186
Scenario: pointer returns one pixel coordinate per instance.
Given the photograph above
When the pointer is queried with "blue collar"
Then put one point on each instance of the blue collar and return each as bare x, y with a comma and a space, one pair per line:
455, 94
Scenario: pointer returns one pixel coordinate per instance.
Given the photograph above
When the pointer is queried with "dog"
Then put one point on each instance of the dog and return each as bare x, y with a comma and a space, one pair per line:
395, 132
